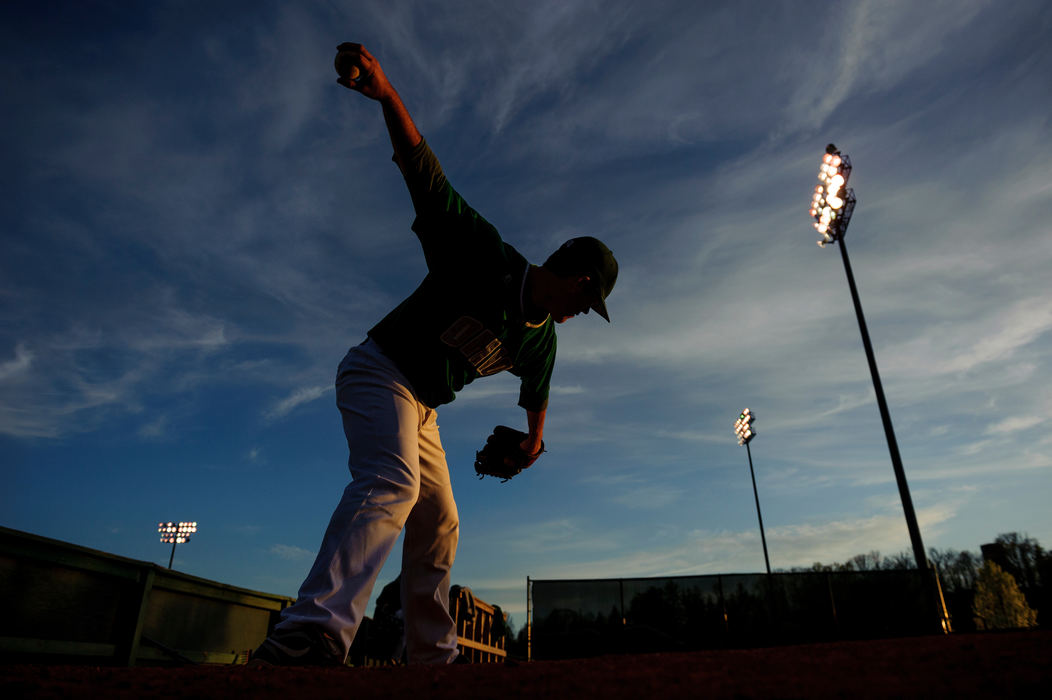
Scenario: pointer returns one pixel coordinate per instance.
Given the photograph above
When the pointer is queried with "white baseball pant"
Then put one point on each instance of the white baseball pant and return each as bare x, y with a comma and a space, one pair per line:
399, 479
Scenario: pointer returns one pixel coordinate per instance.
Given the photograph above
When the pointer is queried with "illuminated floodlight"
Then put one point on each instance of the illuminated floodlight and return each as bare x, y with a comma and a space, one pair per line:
832, 202
176, 533
743, 427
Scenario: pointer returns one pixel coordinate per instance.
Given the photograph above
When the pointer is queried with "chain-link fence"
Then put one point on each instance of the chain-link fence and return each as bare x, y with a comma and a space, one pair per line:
575, 618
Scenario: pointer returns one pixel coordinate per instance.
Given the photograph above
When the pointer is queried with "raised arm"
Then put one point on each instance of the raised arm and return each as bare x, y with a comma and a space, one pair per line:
373, 83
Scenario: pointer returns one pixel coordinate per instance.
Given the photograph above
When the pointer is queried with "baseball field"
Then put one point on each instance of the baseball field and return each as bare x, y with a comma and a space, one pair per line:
986, 665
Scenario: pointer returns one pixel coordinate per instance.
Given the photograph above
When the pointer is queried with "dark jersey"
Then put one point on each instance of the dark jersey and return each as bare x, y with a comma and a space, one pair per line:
466, 318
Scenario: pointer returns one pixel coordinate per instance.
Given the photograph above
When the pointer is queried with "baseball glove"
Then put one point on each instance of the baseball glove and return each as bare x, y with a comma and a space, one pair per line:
502, 456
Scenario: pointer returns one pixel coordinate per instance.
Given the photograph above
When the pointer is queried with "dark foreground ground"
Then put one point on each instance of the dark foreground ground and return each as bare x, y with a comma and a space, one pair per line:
989, 665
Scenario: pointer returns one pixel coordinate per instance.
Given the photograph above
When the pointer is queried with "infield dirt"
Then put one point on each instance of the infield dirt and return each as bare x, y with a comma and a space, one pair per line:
986, 665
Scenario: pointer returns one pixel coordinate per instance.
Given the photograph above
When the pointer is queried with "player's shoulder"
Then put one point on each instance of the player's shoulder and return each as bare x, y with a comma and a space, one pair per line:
515, 260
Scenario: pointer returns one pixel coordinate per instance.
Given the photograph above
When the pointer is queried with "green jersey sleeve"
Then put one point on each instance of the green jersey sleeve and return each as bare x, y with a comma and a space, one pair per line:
451, 232
534, 365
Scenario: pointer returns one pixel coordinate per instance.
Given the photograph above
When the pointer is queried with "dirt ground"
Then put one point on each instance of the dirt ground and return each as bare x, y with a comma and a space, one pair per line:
988, 665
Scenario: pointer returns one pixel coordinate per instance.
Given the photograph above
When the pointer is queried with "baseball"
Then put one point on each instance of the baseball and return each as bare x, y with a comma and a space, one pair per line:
346, 66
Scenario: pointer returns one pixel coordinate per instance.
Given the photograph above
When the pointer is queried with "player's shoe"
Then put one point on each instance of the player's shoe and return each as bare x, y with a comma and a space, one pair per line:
303, 646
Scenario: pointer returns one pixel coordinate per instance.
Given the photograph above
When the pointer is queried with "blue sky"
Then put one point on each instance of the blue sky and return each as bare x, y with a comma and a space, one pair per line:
197, 222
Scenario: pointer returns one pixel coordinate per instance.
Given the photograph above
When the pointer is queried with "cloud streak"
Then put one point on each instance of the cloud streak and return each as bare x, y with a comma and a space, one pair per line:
290, 552
19, 365
297, 398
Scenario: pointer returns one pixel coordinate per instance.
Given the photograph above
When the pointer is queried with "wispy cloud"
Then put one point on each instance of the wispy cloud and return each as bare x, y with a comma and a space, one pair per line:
1015, 424
154, 429
560, 535
297, 398
31, 407
104, 363
725, 551
19, 365
870, 47
291, 552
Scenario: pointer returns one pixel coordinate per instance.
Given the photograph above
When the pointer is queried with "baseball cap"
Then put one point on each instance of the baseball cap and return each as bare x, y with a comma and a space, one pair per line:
587, 256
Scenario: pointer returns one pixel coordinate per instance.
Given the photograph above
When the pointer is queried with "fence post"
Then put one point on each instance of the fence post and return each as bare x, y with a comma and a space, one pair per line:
529, 622
131, 651
723, 609
621, 595
832, 604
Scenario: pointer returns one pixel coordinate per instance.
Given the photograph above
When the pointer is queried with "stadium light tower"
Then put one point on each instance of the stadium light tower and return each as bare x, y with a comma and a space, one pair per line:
743, 429
175, 533
832, 205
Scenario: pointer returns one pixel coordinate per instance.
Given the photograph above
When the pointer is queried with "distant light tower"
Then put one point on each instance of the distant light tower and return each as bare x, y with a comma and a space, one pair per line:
175, 533
832, 205
743, 429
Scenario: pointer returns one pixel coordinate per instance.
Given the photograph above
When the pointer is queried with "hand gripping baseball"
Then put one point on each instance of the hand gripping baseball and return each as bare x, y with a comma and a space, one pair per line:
359, 70
502, 456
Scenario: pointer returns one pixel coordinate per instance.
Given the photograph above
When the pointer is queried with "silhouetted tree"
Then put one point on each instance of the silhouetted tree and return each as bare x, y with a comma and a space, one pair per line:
957, 570
897, 562
1020, 555
863, 562
659, 608
517, 644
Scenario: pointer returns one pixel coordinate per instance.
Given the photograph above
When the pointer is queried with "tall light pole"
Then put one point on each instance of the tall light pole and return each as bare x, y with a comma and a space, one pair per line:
743, 429
832, 205
175, 533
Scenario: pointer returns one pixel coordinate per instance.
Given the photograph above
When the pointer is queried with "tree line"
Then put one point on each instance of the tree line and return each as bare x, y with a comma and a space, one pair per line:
1004, 585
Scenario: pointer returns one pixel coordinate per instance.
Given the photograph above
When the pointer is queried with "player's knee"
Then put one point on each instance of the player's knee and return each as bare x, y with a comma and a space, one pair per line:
395, 499
449, 530
402, 498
